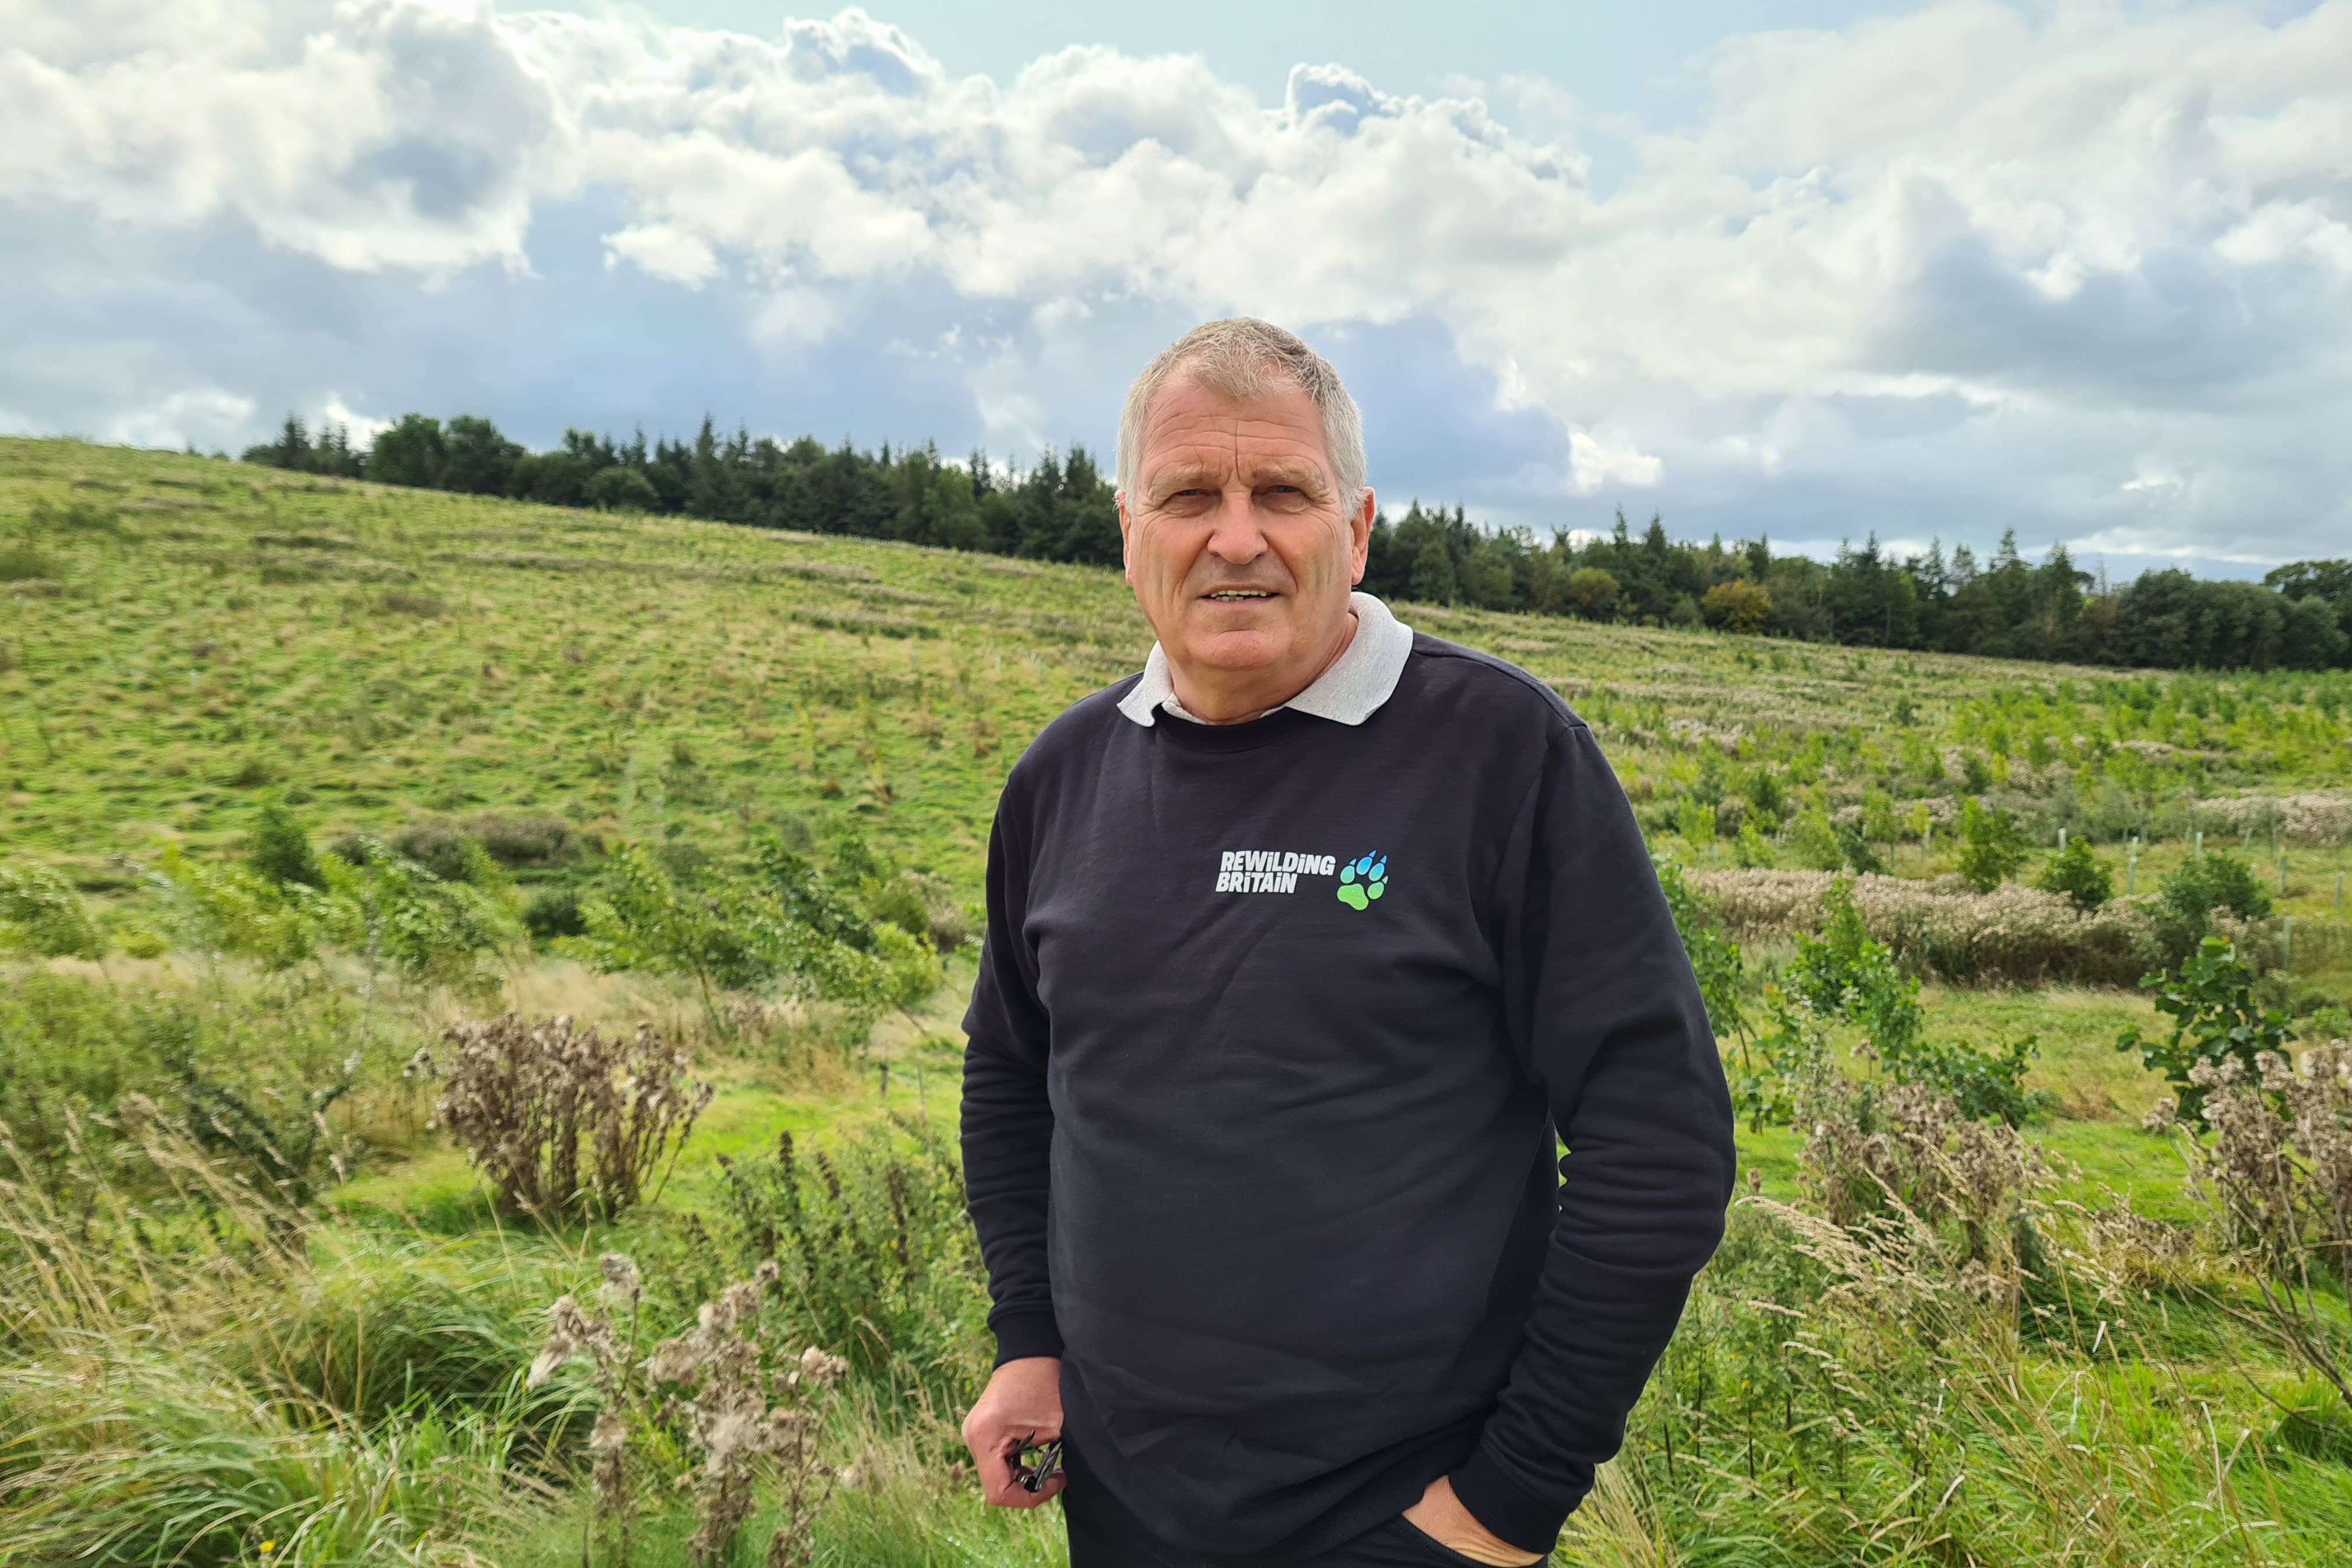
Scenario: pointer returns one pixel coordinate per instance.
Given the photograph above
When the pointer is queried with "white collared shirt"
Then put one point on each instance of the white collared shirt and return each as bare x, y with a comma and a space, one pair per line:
1361, 678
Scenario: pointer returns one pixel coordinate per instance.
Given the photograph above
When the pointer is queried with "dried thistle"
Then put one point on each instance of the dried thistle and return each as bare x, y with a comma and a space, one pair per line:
746, 1415
2277, 1174
560, 1118
1907, 1155
575, 1334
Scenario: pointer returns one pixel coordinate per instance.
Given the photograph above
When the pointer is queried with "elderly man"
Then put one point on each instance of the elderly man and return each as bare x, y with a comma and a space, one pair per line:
1302, 946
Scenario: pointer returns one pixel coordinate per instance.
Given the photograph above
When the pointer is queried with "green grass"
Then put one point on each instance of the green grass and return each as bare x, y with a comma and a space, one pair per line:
208, 636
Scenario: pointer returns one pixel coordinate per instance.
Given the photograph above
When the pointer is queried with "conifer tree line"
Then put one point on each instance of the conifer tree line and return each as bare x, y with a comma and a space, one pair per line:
1061, 508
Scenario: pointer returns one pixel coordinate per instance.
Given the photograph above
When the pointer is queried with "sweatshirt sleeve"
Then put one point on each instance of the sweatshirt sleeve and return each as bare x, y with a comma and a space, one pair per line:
1008, 1122
1603, 1011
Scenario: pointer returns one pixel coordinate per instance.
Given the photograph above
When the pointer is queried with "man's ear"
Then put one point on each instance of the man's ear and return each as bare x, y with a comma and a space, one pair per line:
1360, 533
1126, 538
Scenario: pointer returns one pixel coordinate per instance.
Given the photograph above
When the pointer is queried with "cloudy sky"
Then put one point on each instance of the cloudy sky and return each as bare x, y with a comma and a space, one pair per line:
1811, 267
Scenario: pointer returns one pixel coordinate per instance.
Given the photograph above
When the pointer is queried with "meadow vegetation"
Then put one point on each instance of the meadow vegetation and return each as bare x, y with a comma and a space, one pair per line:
477, 1063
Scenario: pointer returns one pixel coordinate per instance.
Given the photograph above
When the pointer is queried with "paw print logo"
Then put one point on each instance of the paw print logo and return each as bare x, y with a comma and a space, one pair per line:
1362, 881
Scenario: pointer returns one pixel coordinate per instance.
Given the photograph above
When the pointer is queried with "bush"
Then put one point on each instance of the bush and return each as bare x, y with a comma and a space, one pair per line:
523, 1097
724, 931
40, 912
279, 848
622, 489
1991, 848
1738, 606
441, 850
284, 1145
1717, 962
1843, 973
23, 564
515, 841
386, 907
2278, 1174
2192, 892
2077, 872
2216, 1019
2012, 935
553, 913
874, 1252
1859, 855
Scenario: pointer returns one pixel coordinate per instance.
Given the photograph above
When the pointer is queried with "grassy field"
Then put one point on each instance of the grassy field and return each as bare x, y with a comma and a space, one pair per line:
194, 1370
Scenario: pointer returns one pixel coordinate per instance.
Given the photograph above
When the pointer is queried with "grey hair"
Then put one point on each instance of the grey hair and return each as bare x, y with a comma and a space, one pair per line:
1239, 356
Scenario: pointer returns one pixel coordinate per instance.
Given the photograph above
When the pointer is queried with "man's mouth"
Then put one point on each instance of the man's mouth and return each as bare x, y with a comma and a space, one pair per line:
1238, 595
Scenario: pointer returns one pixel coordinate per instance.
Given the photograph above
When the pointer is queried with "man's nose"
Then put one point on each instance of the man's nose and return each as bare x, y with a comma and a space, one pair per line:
1237, 538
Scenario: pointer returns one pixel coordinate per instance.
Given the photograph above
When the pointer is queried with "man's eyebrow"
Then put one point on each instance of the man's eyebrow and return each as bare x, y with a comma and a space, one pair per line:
1271, 471
1305, 476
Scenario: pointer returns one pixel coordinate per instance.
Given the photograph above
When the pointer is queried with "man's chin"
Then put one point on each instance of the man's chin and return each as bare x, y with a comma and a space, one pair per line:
1242, 648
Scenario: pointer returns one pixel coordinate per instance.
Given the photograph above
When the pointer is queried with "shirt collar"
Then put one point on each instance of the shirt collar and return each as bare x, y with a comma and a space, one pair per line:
1360, 681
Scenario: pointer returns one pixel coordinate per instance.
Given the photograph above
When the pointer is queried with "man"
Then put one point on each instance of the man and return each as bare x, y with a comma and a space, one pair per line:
1301, 946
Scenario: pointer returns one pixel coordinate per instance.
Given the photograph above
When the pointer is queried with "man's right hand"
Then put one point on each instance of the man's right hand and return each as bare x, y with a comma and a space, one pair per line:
1021, 1407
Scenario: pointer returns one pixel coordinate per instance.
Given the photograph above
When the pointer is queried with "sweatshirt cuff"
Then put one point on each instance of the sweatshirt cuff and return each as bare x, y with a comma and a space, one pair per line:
1020, 1335
1507, 1508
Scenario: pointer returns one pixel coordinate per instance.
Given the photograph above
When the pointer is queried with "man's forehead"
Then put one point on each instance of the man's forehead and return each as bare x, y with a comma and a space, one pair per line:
1193, 428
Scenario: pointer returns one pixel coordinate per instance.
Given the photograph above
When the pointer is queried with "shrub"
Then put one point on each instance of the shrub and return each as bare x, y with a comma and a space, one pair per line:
386, 907
449, 855
286, 1145
23, 564
1778, 1068
2278, 1176
2012, 935
1913, 1154
709, 1391
1738, 606
515, 841
2216, 1019
1857, 852
42, 914
2314, 817
1845, 973
280, 848
1694, 820
725, 931
71, 1047
622, 489
874, 1252
1991, 848
1815, 844
234, 911
1716, 959
2077, 872
553, 913
524, 1097
1591, 593
2193, 891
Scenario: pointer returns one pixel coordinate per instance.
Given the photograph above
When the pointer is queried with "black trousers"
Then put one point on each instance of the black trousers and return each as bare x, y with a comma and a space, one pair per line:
1104, 1534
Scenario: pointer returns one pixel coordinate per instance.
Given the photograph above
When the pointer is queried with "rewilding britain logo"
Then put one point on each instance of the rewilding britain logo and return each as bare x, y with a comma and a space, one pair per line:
1361, 880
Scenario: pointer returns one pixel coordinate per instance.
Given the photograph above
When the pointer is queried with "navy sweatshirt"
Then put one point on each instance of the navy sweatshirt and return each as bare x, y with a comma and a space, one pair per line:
1274, 1026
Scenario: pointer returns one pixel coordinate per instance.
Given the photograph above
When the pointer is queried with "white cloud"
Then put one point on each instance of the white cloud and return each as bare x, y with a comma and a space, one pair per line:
1972, 260
364, 428
207, 417
1593, 467
664, 251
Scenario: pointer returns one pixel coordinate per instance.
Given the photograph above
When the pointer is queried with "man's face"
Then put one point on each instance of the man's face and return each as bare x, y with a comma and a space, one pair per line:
1239, 547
